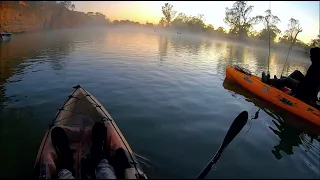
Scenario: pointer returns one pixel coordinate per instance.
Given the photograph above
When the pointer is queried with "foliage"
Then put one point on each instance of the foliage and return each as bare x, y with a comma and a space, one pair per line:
238, 18
168, 13
125, 22
264, 33
315, 42
73, 7
221, 30
270, 30
193, 23
209, 28
162, 22
291, 34
66, 4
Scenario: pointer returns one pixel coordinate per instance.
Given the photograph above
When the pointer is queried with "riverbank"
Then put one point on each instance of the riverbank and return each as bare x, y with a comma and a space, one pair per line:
21, 16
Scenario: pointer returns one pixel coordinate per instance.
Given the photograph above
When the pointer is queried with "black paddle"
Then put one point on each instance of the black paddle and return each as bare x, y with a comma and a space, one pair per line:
234, 129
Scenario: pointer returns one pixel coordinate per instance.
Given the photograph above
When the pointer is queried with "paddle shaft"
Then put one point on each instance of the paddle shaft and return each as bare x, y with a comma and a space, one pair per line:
207, 169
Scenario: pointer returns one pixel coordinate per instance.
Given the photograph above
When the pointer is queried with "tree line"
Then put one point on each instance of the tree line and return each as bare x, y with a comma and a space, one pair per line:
240, 22
237, 18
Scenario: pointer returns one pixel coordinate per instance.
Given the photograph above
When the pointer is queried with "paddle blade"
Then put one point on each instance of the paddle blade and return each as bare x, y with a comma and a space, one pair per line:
235, 128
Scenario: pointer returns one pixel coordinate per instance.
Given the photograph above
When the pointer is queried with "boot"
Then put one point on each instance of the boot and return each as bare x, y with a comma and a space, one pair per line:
61, 143
99, 140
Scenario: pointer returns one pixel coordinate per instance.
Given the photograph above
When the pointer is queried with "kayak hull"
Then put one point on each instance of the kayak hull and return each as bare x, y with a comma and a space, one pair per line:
76, 117
256, 86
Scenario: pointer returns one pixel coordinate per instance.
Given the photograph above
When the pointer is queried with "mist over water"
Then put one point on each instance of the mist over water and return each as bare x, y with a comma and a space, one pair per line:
167, 93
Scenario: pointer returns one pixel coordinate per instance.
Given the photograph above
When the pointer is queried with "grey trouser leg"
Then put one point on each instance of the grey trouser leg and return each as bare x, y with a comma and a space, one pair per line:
103, 171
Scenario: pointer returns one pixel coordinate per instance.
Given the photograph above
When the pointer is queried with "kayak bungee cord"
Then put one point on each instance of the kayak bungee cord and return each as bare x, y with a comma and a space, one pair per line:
104, 118
110, 120
53, 120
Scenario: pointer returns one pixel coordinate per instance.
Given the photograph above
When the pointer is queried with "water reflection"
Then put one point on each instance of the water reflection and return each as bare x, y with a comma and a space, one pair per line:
293, 131
124, 65
30, 49
189, 45
163, 47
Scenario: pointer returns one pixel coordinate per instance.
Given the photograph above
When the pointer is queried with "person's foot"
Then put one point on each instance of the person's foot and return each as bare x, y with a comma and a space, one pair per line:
264, 77
61, 143
99, 140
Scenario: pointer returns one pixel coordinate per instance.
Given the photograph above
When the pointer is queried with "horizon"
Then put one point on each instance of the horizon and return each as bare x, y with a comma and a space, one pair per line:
307, 12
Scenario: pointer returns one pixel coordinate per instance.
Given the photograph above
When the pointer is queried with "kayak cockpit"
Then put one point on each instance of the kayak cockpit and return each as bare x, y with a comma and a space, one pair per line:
76, 117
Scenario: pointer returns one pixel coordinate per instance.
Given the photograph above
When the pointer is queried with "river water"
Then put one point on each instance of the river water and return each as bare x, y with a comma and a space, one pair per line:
168, 94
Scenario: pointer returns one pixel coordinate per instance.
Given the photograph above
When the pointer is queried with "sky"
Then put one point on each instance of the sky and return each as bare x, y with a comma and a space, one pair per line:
307, 12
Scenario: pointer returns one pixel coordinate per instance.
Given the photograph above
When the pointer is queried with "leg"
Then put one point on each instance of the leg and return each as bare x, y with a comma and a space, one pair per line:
279, 83
61, 143
99, 138
99, 154
297, 75
121, 163
65, 174
104, 170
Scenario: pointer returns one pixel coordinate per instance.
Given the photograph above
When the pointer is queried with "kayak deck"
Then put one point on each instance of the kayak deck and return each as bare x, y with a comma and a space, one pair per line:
256, 86
76, 117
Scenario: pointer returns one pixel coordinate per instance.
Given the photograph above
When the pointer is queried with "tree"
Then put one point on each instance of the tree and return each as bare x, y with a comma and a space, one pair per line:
66, 4
210, 28
169, 13
291, 34
180, 21
99, 15
90, 13
264, 34
269, 21
315, 42
221, 30
238, 18
149, 24
162, 22
73, 7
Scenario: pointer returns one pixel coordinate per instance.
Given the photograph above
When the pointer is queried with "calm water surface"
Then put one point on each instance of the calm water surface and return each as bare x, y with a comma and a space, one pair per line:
168, 95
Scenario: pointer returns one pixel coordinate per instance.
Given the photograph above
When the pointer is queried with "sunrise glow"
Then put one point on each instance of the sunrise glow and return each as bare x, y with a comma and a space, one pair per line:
307, 12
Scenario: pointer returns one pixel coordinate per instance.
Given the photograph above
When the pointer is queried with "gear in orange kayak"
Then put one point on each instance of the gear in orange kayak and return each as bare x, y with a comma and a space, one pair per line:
256, 86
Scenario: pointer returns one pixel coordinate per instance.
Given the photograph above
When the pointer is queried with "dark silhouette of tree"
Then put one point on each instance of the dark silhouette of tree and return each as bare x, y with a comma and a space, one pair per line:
239, 20
162, 22
269, 21
73, 7
315, 42
90, 13
221, 30
209, 28
149, 24
264, 34
66, 4
168, 13
291, 34
192, 23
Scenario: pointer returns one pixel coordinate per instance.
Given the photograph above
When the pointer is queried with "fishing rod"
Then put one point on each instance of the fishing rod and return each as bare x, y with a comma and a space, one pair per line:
268, 72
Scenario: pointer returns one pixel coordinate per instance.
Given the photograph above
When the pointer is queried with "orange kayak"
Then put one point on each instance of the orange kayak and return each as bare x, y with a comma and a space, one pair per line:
76, 117
256, 86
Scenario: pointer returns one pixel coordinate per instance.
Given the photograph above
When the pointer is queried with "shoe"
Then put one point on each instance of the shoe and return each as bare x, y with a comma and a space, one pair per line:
264, 77
99, 140
61, 143
275, 77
